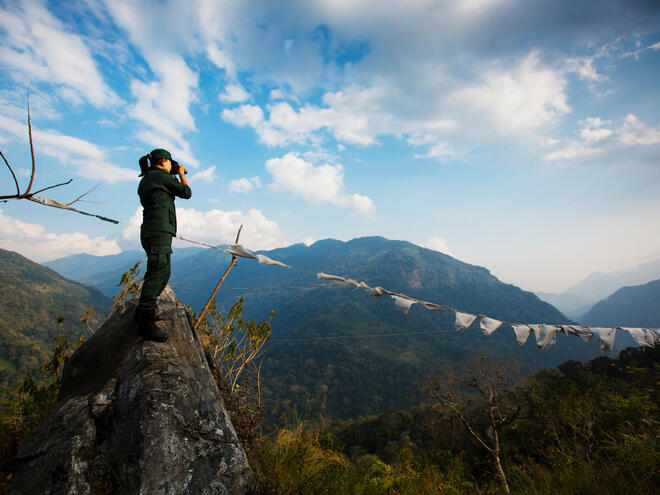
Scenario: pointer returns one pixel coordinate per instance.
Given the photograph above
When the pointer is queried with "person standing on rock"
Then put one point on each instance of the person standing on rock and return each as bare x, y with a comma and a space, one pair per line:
157, 190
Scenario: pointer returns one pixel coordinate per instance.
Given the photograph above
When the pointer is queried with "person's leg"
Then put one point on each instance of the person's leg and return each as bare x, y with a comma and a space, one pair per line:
158, 248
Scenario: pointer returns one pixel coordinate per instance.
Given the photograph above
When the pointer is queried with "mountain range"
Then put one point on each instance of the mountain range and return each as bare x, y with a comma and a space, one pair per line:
636, 306
37, 304
578, 299
339, 351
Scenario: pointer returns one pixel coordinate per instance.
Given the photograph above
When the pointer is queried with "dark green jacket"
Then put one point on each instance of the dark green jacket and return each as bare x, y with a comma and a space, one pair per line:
157, 190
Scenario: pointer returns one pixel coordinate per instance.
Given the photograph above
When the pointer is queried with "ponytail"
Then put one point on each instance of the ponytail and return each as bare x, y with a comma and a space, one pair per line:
144, 164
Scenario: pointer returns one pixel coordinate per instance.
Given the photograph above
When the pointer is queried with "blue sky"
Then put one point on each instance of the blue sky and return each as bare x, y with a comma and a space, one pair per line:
520, 136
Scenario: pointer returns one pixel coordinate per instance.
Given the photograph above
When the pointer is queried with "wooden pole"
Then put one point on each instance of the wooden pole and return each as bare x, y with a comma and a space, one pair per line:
217, 287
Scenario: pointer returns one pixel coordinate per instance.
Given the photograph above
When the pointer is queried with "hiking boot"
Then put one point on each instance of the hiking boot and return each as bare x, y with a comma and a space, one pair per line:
147, 328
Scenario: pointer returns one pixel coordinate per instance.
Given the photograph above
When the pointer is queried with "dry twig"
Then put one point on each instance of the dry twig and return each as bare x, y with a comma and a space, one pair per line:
32, 196
202, 314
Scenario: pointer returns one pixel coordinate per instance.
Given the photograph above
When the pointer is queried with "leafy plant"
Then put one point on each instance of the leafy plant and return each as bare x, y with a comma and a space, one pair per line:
130, 283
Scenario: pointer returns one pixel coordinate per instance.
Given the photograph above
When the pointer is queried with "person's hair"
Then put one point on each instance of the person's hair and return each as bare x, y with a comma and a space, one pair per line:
147, 163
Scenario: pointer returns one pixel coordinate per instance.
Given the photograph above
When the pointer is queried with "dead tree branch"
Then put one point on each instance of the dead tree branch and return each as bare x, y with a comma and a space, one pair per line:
202, 314
32, 196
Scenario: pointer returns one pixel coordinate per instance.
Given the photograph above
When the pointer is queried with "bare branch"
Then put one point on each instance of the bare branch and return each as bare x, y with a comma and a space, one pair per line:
466, 423
202, 314
27, 191
82, 195
18, 189
46, 189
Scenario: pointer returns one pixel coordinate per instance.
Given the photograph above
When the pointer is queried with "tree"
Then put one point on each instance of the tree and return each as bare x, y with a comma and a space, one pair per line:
477, 395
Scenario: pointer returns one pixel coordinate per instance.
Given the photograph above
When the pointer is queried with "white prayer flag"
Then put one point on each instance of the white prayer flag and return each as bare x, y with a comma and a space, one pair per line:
489, 325
268, 261
238, 250
522, 333
325, 276
402, 304
464, 320
545, 335
583, 332
606, 336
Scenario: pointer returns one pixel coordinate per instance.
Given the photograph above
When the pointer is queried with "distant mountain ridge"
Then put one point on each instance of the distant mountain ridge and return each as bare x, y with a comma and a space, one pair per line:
599, 285
341, 352
575, 301
636, 306
33, 299
104, 272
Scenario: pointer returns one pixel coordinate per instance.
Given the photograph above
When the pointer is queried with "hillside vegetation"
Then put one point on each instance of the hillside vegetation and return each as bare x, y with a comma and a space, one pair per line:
340, 352
37, 304
579, 429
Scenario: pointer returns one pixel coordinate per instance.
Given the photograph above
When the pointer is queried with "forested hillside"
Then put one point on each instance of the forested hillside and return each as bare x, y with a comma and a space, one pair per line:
340, 352
580, 429
37, 304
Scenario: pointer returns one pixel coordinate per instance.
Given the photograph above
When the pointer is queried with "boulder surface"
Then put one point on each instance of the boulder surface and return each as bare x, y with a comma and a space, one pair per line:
136, 417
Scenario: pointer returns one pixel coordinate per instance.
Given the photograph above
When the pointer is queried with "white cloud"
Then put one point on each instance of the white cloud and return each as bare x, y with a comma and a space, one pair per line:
315, 184
89, 159
601, 136
634, 132
13, 104
234, 93
354, 115
244, 185
33, 241
572, 150
163, 103
221, 60
584, 68
437, 243
506, 100
441, 151
594, 130
37, 46
519, 99
207, 175
220, 227
163, 106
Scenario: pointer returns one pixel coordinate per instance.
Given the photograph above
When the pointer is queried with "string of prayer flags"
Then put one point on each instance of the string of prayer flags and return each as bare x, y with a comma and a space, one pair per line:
545, 335
62, 206
239, 250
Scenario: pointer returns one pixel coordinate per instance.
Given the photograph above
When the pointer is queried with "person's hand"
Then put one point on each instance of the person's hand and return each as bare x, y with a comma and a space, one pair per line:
182, 170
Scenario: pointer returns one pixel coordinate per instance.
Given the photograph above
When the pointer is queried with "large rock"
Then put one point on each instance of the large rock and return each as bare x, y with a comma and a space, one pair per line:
136, 417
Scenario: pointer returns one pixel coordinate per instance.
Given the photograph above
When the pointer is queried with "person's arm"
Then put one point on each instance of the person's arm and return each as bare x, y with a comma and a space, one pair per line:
182, 171
180, 189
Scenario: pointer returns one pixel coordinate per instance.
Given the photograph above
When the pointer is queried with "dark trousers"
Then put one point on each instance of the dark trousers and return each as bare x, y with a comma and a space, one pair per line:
158, 247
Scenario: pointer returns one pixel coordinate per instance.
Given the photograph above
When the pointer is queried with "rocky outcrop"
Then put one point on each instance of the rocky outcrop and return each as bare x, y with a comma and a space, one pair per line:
136, 417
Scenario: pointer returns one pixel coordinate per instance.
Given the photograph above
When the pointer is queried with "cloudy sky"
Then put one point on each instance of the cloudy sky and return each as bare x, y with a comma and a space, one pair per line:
523, 136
